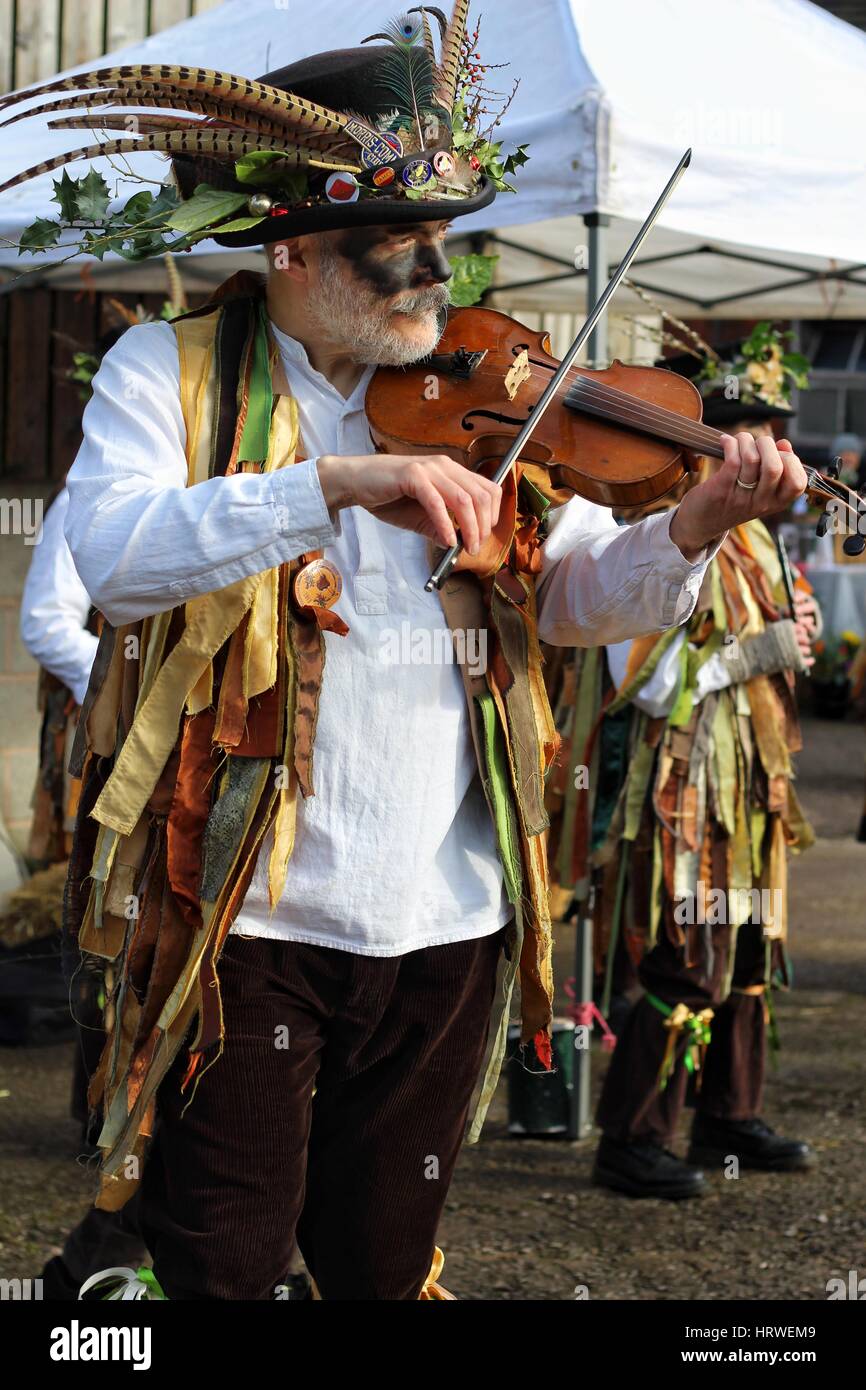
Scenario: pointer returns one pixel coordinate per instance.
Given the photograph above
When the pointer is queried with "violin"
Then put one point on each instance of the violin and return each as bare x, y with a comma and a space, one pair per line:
623, 436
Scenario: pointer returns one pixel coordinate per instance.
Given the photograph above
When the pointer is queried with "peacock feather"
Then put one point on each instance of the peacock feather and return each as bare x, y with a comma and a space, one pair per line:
406, 72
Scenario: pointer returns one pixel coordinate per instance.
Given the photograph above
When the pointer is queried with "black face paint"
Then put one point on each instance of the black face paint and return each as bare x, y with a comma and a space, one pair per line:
420, 264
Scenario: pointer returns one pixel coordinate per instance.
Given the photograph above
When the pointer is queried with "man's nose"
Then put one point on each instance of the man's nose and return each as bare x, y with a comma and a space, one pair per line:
433, 261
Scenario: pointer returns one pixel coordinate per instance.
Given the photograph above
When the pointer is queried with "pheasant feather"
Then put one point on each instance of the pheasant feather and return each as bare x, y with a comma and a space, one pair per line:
220, 85
170, 99
205, 142
428, 35
424, 10
449, 62
144, 124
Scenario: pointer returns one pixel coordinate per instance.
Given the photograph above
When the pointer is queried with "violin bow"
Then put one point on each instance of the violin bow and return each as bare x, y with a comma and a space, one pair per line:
787, 576
446, 564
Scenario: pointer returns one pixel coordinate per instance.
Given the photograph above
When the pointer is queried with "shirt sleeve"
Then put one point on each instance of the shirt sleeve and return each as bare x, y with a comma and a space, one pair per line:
55, 606
656, 697
601, 583
144, 542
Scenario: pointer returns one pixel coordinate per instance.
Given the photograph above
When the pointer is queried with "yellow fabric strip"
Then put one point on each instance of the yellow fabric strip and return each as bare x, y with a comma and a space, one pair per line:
154, 730
260, 651
287, 813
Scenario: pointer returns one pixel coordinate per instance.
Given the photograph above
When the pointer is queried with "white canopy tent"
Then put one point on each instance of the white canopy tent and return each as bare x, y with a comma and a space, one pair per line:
771, 95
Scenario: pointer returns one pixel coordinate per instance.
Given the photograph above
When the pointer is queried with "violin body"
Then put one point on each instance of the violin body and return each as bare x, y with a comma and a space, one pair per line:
451, 403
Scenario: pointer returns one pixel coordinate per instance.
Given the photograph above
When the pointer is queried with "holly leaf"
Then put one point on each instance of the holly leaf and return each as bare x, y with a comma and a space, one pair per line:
41, 234
514, 161
66, 194
207, 207
93, 197
98, 245
166, 200
139, 207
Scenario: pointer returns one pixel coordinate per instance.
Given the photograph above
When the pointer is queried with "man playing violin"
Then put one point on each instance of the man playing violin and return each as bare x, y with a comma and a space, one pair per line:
307, 971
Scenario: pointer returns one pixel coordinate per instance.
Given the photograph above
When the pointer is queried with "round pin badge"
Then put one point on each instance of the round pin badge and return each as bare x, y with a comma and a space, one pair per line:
443, 163
384, 176
342, 188
369, 157
417, 173
318, 585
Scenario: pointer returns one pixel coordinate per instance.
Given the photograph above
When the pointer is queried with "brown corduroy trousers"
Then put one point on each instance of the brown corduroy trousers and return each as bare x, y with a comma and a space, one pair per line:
632, 1106
359, 1171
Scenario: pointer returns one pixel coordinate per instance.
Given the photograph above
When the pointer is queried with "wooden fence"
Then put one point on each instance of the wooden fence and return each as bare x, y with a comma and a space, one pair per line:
40, 411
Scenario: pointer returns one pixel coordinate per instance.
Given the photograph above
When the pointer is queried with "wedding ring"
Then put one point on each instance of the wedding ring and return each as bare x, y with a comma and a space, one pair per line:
747, 487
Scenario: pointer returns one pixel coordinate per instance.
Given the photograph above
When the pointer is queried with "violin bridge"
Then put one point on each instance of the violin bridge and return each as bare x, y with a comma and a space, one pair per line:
519, 372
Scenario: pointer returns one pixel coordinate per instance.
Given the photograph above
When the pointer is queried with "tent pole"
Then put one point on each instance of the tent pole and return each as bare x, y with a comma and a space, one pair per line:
596, 279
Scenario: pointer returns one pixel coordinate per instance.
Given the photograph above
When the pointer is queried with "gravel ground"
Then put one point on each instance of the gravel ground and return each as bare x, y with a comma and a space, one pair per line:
522, 1220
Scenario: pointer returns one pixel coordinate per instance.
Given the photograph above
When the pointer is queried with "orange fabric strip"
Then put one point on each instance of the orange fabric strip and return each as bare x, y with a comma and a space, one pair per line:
189, 812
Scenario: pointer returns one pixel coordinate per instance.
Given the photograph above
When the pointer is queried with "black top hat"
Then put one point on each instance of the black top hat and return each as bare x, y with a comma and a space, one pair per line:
383, 133
349, 80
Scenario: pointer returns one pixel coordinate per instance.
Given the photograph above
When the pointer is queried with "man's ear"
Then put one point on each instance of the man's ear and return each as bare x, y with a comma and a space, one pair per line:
290, 258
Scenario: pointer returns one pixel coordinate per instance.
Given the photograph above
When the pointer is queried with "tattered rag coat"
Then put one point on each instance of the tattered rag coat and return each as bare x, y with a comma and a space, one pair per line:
197, 735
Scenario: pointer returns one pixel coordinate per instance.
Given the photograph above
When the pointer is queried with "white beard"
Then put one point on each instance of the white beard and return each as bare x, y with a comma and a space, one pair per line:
352, 317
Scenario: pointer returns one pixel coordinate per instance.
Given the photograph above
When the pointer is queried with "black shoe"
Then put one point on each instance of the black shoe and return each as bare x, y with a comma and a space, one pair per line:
58, 1284
751, 1141
642, 1168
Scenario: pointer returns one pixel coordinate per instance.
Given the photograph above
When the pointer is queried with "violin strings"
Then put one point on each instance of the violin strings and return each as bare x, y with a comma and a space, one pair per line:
665, 417
611, 393
829, 487
679, 429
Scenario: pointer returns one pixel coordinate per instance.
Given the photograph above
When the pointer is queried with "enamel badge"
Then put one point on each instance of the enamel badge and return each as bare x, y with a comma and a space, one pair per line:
342, 188
417, 173
317, 585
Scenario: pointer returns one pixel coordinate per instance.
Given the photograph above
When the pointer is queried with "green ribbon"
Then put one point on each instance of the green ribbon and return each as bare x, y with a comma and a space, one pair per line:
154, 1289
255, 437
700, 1030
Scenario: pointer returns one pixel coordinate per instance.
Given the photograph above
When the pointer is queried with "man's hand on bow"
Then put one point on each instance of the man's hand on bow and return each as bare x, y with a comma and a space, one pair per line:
417, 492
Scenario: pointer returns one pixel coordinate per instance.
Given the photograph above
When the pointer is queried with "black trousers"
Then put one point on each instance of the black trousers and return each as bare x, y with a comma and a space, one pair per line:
359, 1171
631, 1104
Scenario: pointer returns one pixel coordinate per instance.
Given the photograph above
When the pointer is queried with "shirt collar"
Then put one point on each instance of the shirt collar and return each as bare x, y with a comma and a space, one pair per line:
294, 352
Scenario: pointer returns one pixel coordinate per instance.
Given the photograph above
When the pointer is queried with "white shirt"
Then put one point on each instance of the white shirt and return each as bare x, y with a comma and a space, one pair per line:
396, 851
55, 606
658, 696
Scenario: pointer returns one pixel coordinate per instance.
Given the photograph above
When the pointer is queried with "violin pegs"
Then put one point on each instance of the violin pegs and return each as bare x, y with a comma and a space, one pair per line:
834, 467
854, 545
